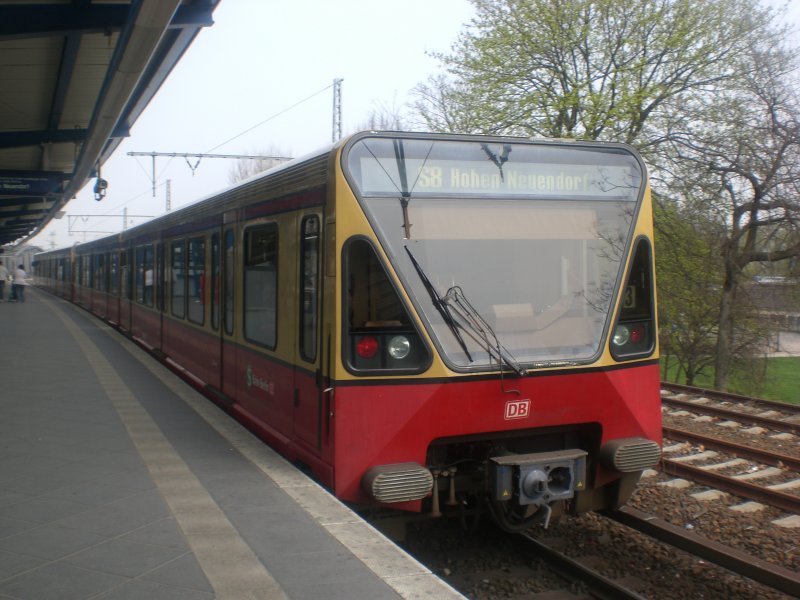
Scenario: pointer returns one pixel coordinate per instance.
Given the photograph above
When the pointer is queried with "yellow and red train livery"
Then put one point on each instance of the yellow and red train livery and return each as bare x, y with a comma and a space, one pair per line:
423, 320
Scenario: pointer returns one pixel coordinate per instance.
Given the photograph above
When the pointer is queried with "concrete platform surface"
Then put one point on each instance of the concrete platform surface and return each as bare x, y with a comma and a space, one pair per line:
119, 481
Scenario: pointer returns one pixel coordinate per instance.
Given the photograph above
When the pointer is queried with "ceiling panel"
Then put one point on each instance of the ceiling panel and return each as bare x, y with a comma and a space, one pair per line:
60, 68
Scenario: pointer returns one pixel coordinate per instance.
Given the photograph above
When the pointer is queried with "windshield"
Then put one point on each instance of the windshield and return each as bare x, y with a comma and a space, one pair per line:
533, 234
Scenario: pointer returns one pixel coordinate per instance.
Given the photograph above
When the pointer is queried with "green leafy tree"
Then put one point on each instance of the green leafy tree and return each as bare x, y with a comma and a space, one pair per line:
592, 69
688, 267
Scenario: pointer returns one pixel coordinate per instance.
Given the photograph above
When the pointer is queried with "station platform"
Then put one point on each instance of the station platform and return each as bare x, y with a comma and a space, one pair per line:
119, 481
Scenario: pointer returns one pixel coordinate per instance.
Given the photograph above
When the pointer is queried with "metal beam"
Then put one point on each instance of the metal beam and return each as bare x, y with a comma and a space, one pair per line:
36, 20
20, 202
69, 55
138, 42
15, 139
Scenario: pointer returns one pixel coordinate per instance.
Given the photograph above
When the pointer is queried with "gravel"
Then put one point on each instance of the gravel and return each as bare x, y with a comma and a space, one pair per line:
488, 566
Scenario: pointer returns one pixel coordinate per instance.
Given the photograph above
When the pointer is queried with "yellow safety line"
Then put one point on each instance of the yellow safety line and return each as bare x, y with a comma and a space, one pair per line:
230, 565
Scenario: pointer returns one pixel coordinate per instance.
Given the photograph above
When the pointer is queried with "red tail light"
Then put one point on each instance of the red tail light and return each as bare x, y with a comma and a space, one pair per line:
637, 333
367, 346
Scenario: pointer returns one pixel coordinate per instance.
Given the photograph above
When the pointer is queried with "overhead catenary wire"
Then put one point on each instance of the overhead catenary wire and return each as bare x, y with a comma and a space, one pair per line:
156, 177
277, 114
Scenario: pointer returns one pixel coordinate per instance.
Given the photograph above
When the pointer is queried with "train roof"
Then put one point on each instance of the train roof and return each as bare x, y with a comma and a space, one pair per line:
302, 172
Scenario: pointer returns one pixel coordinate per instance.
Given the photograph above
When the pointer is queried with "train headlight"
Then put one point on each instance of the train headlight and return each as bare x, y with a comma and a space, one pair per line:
621, 335
399, 347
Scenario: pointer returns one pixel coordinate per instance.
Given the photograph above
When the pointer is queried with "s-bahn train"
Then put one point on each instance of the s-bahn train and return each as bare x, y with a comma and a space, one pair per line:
426, 322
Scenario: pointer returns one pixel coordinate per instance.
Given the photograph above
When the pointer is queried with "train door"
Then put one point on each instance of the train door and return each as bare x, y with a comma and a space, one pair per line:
308, 407
113, 287
125, 286
214, 301
158, 282
228, 306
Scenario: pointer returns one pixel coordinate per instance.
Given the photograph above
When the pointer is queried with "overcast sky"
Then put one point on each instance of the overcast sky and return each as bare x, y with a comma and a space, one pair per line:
259, 59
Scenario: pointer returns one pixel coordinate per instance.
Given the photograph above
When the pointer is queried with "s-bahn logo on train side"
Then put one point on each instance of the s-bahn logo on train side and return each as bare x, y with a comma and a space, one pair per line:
254, 381
517, 409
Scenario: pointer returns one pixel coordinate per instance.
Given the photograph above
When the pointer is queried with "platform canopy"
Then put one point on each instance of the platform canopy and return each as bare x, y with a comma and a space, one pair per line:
74, 77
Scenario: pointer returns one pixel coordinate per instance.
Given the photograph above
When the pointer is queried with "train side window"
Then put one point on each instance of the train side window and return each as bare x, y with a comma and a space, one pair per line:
196, 280
86, 270
99, 272
113, 274
104, 271
144, 275
215, 266
381, 336
178, 287
159, 277
149, 290
125, 274
139, 277
309, 290
261, 285
229, 274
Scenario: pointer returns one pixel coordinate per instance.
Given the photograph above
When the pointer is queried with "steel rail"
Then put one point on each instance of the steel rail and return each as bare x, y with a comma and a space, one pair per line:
766, 457
729, 397
600, 586
776, 424
754, 568
781, 500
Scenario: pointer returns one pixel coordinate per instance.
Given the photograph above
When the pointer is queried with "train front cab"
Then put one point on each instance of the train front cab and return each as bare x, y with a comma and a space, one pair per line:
452, 388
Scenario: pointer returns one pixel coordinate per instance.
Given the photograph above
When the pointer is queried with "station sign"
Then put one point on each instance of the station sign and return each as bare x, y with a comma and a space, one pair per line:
30, 183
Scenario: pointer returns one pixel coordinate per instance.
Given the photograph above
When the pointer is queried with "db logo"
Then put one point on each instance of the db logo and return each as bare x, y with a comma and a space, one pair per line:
517, 409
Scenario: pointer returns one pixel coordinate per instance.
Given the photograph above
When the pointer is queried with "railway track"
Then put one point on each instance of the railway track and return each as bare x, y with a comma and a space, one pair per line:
748, 452
760, 474
775, 416
773, 576
756, 475
585, 557
597, 584
489, 563
703, 548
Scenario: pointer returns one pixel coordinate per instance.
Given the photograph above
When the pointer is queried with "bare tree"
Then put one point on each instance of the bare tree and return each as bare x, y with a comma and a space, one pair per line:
741, 148
388, 117
245, 168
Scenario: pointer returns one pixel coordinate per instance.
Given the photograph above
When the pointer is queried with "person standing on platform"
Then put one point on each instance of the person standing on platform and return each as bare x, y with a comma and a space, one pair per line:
18, 284
4, 276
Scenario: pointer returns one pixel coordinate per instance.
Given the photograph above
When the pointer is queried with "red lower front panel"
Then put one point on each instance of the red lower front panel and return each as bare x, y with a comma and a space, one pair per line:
361, 424
376, 425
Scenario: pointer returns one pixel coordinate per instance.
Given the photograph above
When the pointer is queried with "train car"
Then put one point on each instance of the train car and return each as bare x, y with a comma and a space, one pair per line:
426, 322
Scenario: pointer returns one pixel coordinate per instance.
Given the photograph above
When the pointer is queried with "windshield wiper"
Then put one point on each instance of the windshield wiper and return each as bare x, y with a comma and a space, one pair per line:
471, 320
438, 303
405, 193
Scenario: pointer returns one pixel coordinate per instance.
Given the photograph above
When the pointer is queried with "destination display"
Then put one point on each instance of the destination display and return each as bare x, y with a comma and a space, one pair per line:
382, 176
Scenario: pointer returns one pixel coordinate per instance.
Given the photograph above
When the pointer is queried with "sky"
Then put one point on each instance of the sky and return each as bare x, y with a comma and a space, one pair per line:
266, 67
269, 66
